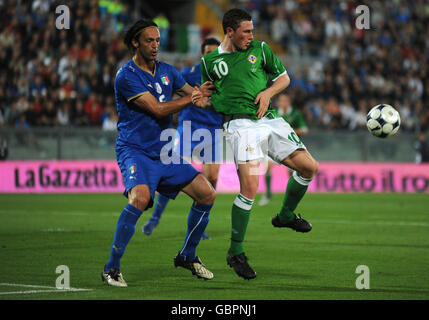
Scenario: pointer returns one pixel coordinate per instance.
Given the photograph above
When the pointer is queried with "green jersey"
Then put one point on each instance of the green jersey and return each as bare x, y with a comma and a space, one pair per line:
240, 76
295, 119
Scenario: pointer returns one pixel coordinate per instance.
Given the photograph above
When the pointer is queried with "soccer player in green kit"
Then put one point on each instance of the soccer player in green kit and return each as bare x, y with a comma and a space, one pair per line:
240, 69
295, 118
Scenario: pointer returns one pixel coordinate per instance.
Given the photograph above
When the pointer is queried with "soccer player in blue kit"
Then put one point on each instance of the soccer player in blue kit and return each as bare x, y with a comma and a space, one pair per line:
143, 89
191, 119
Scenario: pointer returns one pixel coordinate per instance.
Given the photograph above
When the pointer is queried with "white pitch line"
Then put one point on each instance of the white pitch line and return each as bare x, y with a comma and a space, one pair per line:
51, 289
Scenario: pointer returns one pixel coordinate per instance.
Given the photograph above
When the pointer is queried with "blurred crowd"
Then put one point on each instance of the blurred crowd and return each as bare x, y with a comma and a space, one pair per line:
353, 69
53, 77
65, 77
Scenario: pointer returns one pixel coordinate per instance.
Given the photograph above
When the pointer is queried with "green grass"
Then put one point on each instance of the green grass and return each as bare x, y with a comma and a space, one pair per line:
387, 232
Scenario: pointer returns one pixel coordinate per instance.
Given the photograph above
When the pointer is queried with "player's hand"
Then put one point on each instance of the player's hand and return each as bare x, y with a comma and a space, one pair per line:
263, 99
198, 99
207, 88
196, 96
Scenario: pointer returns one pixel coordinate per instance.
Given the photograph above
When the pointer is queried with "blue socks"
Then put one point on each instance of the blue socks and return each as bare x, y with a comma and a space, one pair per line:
198, 219
161, 203
124, 231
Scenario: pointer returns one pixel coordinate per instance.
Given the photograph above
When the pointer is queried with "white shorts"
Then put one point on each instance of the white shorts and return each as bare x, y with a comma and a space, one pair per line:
257, 139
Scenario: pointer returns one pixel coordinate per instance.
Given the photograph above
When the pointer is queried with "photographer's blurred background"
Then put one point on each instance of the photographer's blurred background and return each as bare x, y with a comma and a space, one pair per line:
56, 86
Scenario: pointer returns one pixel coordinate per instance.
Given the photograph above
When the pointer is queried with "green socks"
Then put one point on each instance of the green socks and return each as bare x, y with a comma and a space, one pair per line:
240, 215
268, 184
295, 190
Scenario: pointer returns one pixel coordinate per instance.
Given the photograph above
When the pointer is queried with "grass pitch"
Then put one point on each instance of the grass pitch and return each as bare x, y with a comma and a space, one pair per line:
389, 233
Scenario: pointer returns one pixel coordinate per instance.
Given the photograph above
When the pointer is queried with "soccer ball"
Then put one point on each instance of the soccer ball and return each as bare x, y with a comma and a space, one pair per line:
383, 121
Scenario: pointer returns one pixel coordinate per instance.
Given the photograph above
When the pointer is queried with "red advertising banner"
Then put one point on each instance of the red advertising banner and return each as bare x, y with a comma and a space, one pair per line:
104, 176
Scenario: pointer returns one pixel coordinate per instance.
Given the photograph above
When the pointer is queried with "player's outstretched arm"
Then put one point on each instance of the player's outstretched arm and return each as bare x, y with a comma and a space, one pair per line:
206, 89
148, 102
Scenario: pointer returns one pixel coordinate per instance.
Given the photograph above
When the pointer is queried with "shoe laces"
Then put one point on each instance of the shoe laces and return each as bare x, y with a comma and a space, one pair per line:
298, 217
114, 274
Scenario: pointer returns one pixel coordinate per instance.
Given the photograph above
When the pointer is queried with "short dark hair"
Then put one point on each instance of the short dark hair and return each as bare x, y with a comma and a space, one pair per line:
134, 31
209, 42
233, 17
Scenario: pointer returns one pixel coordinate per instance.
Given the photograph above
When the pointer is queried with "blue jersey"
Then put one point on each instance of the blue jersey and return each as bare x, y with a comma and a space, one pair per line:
201, 117
138, 128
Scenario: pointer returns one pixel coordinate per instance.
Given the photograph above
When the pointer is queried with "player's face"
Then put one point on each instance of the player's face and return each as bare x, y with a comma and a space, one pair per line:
242, 37
209, 48
149, 43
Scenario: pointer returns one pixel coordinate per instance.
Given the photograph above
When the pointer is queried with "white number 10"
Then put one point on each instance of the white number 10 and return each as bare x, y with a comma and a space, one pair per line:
221, 69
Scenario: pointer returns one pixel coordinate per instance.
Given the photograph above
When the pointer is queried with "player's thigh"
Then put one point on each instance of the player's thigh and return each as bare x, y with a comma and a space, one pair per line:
247, 139
248, 174
211, 171
303, 162
200, 190
139, 196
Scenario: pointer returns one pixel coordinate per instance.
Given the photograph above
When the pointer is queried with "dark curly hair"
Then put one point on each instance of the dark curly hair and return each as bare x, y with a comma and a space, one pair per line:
134, 32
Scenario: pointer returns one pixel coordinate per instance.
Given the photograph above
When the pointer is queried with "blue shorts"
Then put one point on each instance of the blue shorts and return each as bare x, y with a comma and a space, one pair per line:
139, 169
203, 145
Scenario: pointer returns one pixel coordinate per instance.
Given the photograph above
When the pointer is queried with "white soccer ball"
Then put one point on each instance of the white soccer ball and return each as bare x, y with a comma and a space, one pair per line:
383, 121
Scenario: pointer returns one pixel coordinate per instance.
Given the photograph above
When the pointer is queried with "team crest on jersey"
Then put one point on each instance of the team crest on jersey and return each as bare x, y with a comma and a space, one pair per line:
158, 88
132, 169
165, 81
252, 59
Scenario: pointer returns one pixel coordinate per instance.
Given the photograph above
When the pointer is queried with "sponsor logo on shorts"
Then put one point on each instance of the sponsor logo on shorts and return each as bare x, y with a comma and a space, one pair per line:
250, 148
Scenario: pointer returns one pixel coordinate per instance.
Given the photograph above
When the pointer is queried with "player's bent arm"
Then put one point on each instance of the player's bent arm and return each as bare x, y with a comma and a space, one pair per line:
206, 89
281, 83
148, 102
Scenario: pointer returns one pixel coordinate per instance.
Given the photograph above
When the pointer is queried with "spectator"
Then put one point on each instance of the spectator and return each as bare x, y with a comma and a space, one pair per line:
93, 109
63, 114
79, 117
110, 121
4, 151
48, 115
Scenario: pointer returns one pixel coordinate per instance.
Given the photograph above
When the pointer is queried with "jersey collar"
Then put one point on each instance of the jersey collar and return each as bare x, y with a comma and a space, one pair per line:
154, 71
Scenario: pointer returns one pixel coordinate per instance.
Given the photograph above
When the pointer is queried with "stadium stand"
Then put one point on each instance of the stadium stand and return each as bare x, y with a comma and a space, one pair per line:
65, 78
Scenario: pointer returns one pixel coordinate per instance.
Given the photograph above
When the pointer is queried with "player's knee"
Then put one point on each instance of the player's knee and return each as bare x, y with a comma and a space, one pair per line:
209, 197
249, 190
139, 198
310, 169
139, 203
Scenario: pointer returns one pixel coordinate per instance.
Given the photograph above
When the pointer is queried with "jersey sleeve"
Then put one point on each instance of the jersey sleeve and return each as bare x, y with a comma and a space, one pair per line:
178, 80
272, 65
129, 85
204, 71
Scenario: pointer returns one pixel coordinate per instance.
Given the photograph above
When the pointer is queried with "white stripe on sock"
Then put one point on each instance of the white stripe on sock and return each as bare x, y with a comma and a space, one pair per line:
190, 233
301, 180
245, 206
